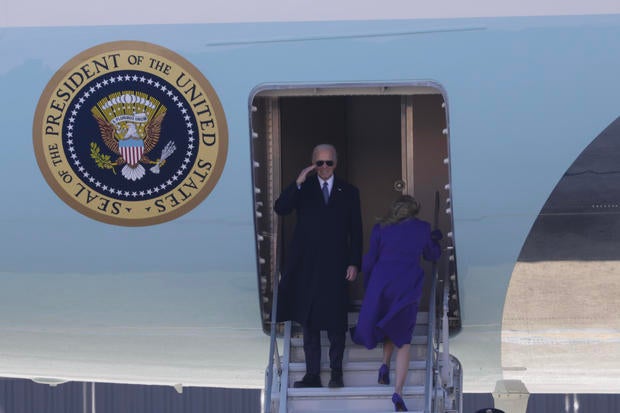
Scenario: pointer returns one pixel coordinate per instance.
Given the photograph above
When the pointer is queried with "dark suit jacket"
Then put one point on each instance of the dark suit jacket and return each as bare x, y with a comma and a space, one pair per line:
326, 240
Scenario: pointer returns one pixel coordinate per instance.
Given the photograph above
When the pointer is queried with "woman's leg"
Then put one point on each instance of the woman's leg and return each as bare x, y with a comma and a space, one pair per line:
402, 367
388, 348
384, 370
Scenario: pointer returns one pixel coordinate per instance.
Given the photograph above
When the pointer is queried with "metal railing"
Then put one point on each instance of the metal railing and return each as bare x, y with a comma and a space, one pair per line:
445, 365
457, 392
285, 362
277, 363
444, 375
431, 365
431, 359
274, 356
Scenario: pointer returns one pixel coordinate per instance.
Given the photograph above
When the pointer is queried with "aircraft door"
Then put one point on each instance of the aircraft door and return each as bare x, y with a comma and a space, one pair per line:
387, 143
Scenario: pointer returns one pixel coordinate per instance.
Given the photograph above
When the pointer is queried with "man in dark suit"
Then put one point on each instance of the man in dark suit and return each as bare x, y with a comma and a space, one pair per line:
325, 253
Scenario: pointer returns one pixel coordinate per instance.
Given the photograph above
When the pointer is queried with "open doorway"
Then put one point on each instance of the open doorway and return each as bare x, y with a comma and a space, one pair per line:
390, 141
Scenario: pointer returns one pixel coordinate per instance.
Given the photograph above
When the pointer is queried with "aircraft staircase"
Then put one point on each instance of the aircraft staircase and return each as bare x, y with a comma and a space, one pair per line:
434, 382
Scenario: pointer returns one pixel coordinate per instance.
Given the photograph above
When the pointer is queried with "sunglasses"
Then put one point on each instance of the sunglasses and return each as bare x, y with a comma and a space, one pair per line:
320, 163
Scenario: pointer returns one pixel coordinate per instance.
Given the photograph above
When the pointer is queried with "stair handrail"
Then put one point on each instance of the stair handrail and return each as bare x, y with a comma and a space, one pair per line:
450, 370
431, 365
446, 370
457, 383
274, 356
273, 344
431, 337
288, 325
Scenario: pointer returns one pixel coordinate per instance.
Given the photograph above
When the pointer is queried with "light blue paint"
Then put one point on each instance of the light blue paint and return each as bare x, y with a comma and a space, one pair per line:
525, 97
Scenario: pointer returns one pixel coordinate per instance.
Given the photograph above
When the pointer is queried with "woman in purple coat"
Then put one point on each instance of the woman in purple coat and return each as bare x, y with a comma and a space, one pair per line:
393, 283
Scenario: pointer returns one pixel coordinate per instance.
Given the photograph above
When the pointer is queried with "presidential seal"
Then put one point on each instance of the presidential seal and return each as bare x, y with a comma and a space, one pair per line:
130, 133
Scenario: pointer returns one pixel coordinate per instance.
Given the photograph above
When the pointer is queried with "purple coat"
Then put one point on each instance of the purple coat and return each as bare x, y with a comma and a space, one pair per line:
393, 281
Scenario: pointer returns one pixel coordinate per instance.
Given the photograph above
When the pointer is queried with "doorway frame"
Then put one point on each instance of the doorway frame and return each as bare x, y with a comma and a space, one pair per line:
266, 190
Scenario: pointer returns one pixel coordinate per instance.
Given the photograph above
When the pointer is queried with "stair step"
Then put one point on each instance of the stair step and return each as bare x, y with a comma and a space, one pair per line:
359, 374
354, 352
298, 341
327, 409
361, 393
352, 399
349, 411
358, 366
366, 392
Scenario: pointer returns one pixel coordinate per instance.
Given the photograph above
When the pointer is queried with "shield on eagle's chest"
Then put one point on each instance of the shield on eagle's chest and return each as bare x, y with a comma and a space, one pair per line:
131, 150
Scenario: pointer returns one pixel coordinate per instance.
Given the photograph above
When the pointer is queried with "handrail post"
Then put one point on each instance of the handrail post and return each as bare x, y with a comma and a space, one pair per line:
286, 356
272, 346
432, 328
430, 365
446, 370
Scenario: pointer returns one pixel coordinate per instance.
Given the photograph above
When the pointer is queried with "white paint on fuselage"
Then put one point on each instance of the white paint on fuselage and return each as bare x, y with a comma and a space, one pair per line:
158, 328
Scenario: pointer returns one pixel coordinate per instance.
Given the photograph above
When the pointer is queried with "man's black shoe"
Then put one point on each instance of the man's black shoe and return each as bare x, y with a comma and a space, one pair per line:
336, 380
309, 380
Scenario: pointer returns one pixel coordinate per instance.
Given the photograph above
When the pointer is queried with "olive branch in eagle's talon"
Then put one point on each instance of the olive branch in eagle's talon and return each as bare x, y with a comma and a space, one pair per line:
102, 161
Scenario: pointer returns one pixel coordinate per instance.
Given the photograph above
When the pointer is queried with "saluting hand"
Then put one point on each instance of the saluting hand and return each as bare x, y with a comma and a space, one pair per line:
302, 175
351, 273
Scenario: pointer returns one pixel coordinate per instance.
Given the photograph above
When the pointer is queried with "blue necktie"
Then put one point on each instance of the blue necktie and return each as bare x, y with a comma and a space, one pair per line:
325, 193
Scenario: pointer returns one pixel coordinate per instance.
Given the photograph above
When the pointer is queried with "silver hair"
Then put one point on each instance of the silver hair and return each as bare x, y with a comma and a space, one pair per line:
325, 147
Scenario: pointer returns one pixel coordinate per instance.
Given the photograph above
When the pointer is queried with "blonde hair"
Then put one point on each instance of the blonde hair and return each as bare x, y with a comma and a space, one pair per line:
403, 208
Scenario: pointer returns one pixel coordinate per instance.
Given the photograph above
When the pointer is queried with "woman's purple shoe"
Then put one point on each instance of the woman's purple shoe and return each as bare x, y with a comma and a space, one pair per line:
384, 375
399, 404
